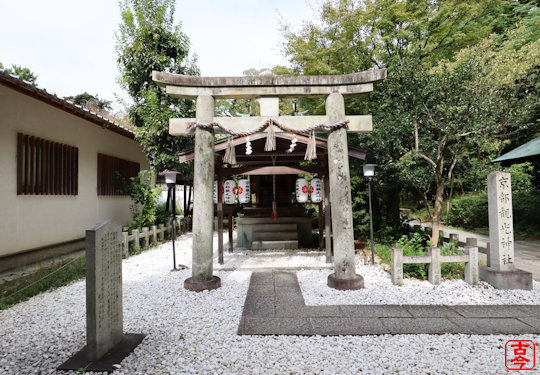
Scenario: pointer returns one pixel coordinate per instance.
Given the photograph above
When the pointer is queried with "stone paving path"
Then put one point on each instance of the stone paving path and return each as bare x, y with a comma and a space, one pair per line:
275, 306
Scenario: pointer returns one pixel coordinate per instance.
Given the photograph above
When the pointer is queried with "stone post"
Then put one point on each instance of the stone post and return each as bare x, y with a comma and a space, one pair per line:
125, 244
344, 276
327, 221
471, 267
453, 237
104, 324
153, 231
203, 206
488, 254
161, 232
434, 270
471, 241
136, 240
502, 273
146, 241
501, 229
397, 266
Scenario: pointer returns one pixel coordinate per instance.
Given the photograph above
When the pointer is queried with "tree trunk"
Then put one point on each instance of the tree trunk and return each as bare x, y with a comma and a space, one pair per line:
437, 211
449, 203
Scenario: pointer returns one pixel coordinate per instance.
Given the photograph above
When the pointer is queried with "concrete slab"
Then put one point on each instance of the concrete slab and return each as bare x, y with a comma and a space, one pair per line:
261, 278
493, 311
275, 326
285, 279
291, 311
261, 289
431, 311
375, 311
493, 326
334, 326
324, 311
259, 306
278, 308
533, 322
420, 325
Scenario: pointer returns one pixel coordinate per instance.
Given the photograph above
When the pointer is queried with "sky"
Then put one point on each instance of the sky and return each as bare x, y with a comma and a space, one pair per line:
70, 44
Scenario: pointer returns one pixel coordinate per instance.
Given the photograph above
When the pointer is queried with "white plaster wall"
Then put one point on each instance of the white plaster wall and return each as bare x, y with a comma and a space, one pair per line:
30, 221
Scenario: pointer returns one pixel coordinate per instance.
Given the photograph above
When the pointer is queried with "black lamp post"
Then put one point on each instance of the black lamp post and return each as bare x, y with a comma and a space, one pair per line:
369, 172
170, 179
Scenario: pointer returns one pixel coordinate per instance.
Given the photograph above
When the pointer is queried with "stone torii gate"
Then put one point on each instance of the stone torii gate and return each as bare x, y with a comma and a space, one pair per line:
268, 89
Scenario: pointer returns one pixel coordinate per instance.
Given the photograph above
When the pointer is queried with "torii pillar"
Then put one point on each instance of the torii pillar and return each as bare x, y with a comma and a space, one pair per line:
269, 89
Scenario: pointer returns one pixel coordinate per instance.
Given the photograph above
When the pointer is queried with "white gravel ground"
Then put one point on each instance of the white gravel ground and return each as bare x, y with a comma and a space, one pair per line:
195, 333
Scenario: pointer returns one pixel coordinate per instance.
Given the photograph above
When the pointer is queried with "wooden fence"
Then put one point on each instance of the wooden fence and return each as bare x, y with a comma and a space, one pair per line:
434, 259
153, 234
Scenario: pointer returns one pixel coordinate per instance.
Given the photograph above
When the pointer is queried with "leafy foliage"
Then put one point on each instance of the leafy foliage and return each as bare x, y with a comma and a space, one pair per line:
149, 40
456, 95
90, 101
23, 73
145, 199
416, 245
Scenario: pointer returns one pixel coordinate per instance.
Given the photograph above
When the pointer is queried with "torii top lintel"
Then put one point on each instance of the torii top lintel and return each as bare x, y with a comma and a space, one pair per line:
251, 87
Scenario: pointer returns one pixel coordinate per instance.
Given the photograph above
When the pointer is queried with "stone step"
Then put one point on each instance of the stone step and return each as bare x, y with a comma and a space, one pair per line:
275, 235
265, 245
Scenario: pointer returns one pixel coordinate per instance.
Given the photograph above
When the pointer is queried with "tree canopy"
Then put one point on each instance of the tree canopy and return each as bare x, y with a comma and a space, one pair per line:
462, 83
147, 40
23, 73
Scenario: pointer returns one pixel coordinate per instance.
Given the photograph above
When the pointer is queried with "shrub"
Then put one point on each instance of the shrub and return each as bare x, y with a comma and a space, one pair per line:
452, 270
145, 198
469, 212
414, 246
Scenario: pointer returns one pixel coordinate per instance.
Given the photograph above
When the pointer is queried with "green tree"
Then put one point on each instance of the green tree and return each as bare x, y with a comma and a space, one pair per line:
90, 101
21, 72
149, 40
440, 110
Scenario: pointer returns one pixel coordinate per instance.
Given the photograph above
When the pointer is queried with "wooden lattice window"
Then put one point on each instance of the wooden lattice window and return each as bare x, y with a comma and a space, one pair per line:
115, 174
46, 167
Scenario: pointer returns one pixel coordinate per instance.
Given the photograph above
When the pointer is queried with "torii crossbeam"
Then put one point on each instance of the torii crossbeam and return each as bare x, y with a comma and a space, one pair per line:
268, 89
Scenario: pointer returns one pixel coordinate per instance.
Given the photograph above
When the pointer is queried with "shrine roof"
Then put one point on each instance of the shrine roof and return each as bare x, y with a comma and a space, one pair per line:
527, 150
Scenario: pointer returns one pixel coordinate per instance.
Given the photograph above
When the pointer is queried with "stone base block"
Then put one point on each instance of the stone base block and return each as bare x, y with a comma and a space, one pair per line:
199, 286
107, 362
356, 282
515, 279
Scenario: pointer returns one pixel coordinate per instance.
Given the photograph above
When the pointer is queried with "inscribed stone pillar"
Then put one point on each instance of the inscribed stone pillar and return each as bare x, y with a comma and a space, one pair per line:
501, 272
344, 276
104, 319
203, 205
501, 229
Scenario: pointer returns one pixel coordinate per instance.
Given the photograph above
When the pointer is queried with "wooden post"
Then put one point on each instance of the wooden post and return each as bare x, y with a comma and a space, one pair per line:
434, 271
397, 266
230, 229
185, 197
321, 226
220, 212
